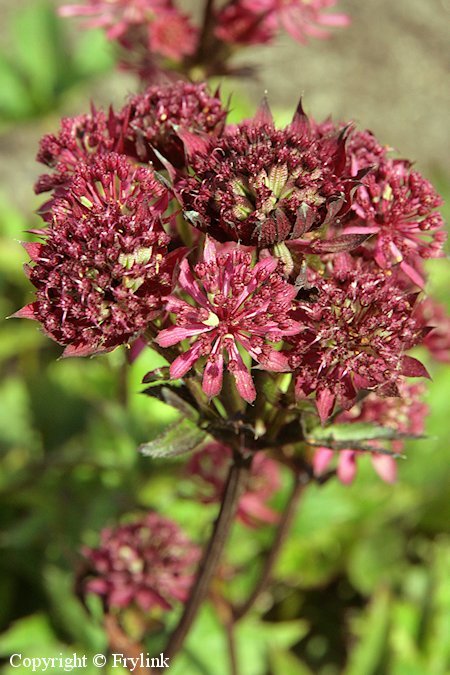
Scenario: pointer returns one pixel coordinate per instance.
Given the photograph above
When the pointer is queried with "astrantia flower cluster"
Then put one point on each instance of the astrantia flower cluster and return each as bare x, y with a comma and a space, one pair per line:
156, 118
157, 25
278, 271
257, 21
155, 36
300, 291
235, 304
103, 270
148, 563
260, 185
355, 337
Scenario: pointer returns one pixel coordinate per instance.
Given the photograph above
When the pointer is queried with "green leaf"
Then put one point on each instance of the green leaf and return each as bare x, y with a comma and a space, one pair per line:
177, 439
283, 661
28, 634
170, 396
15, 101
373, 632
70, 613
355, 436
38, 50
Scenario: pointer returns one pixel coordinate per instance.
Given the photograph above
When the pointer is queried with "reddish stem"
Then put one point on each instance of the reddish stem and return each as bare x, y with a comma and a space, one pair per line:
282, 531
208, 565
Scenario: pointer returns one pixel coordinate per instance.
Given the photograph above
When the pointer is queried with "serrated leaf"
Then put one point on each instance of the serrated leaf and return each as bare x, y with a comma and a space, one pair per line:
354, 436
177, 439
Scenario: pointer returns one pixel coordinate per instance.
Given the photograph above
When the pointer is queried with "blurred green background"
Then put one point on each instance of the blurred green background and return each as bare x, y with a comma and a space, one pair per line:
362, 586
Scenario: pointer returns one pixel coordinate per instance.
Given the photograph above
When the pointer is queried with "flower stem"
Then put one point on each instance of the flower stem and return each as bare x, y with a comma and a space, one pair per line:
211, 557
232, 648
205, 35
283, 528
119, 642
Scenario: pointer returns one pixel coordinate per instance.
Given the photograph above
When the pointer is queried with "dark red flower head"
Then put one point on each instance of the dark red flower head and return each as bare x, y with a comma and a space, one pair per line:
355, 337
260, 185
102, 270
80, 140
398, 206
233, 303
148, 562
364, 151
156, 26
155, 116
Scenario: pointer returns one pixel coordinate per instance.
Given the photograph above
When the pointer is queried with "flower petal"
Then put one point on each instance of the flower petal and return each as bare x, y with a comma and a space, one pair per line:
185, 361
174, 334
346, 470
386, 467
321, 460
213, 375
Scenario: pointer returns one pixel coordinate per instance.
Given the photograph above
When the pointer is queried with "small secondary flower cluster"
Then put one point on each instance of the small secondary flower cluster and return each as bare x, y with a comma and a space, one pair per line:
155, 34
148, 562
289, 256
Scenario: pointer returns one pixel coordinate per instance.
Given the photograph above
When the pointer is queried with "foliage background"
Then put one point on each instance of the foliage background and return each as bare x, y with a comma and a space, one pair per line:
362, 587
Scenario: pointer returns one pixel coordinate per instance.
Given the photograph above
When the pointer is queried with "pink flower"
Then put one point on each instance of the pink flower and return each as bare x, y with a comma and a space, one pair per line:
355, 336
234, 303
148, 562
397, 205
241, 25
153, 118
103, 268
172, 35
405, 414
300, 18
156, 23
436, 317
260, 185
384, 465
210, 469
117, 16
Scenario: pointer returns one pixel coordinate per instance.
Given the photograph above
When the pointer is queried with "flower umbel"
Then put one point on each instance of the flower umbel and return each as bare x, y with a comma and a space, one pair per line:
80, 139
155, 116
355, 337
300, 18
148, 562
157, 24
260, 185
236, 303
103, 269
398, 206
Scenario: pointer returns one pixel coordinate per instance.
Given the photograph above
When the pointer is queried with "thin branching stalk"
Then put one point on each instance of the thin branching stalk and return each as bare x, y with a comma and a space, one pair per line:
208, 565
283, 528
231, 641
120, 642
